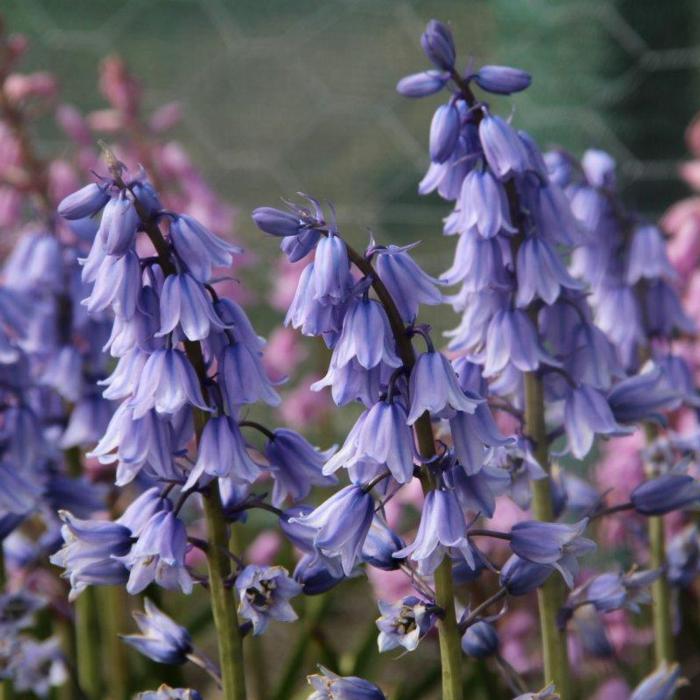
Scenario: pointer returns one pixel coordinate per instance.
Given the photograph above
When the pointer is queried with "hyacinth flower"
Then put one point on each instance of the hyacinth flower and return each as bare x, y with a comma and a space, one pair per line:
403, 624
659, 685
328, 685
167, 693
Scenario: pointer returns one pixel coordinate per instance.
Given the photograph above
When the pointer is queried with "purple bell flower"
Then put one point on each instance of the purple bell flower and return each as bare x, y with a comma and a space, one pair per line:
541, 273
277, 222
185, 304
298, 247
88, 555
331, 278
472, 434
478, 264
366, 336
447, 177
403, 624
599, 169
314, 576
438, 44
161, 638
593, 358
330, 686
87, 201
295, 466
444, 132
352, 382
340, 525
433, 387
167, 693
142, 509
647, 256
665, 493
118, 226
242, 378
407, 283
555, 544
199, 248
264, 593
664, 311
661, 684
520, 576
480, 640
422, 84
380, 546
222, 453
477, 492
442, 531
504, 151
168, 382
87, 422
117, 283
502, 80
643, 397
159, 555
587, 414
19, 493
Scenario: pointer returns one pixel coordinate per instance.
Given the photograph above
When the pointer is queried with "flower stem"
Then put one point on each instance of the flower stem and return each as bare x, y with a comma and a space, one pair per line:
88, 644
114, 604
551, 595
223, 602
5, 686
660, 593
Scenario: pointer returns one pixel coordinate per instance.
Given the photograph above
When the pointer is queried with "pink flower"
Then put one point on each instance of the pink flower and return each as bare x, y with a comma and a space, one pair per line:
302, 407
613, 689
264, 548
283, 352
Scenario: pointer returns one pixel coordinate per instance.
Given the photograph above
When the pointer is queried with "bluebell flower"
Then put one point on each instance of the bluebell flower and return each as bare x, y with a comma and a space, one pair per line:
647, 257
477, 310
17, 611
520, 576
665, 494
380, 546
612, 591
277, 222
477, 492
117, 283
433, 387
555, 544
142, 509
683, 556
331, 276
503, 149
661, 684
447, 177
329, 686
643, 397
88, 555
550, 209
442, 531
366, 336
242, 378
593, 359
438, 44
168, 382
64, 373
512, 339
298, 247
480, 640
117, 230
404, 624
541, 273
295, 466
478, 264
664, 311
87, 422
422, 84
587, 414
222, 453
165, 692
502, 80
354, 383
35, 667
407, 283
599, 168
199, 248
264, 593
340, 525
161, 638
444, 132
679, 377
186, 304
87, 201
159, 555
315, 576
382, 436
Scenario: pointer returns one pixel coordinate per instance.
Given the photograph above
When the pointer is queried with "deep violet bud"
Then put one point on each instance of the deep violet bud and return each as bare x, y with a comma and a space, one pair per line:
329, 686
117, 230
159, 555
314, 576
88, 555
168, 382
403, 624
438, 44
380, 546
199, 248
520, 576
661, 684
502, 80
434, 387
442, 531
264, 593
340, 525
366, 336
665, 494
504, 151
541, 273
555, 544
87, 201
277, 222
444, 132
407, 283
331, 278
165, 692
480, 640
222, 453
295, 466
161, 638
422, 84
587, 414
185, 303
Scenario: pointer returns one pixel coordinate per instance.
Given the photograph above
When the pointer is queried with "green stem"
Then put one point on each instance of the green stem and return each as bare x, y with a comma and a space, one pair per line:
88, 644
660, 594
5, 686
450, 647
551, 595
114, 605
223, 601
